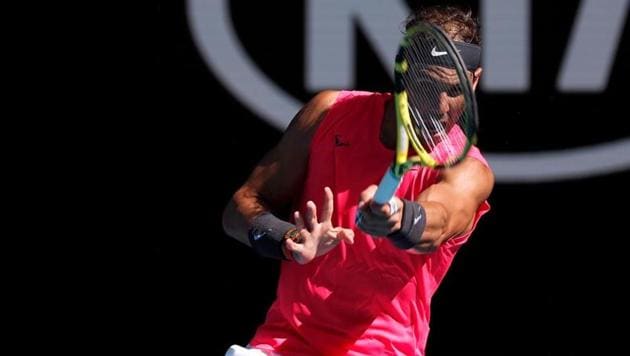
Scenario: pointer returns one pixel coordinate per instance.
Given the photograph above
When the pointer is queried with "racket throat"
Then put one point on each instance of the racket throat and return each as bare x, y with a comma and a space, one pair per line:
399, 170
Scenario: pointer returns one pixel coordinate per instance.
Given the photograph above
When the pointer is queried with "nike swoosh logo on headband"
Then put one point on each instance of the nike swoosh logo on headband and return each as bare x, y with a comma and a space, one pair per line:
435, 53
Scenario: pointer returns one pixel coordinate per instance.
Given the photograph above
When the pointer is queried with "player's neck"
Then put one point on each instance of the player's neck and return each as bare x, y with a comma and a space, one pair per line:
388, 125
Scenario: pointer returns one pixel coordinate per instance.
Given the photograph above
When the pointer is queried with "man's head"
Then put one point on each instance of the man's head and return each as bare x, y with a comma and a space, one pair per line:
460, 25
458, 22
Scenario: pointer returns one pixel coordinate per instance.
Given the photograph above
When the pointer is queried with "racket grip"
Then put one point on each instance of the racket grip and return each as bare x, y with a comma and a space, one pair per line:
387, 187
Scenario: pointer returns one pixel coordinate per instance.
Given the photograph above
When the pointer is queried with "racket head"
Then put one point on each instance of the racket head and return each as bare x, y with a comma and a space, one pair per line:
434, 100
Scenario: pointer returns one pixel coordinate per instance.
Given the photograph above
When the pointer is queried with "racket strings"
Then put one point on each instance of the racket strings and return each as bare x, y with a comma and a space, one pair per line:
430, 96
418, 95
432, 83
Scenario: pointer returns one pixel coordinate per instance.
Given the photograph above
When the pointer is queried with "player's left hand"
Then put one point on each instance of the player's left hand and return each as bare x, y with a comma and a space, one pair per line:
317, 236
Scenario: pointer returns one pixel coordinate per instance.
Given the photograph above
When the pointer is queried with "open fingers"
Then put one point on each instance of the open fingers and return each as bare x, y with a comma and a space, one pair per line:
311, 215
299, 225
327, 206
347, 235
299, 222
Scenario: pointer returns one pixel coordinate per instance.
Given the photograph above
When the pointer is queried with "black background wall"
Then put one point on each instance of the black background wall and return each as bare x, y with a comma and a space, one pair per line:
544, 274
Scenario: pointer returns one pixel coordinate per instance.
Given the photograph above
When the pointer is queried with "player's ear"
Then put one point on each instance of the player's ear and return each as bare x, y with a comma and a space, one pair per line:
476, 75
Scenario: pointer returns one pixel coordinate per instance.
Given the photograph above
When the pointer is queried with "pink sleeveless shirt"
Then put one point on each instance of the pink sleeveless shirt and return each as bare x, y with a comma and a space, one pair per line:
369, 298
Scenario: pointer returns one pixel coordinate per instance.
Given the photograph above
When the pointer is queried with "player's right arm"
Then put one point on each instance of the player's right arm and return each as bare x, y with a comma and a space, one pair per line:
278, 178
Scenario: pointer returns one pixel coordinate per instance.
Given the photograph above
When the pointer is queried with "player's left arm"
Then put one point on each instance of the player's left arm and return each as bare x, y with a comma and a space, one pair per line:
451, 204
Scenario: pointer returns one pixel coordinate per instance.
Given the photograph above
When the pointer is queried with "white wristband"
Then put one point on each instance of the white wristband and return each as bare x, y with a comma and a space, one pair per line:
393, 206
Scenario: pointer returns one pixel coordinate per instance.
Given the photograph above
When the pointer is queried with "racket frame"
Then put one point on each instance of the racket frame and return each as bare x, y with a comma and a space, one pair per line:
405, 131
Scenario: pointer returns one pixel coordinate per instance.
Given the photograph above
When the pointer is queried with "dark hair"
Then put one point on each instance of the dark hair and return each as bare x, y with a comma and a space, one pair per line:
458, 22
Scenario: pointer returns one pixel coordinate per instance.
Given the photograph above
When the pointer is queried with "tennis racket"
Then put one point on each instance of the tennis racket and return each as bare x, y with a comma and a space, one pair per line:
436, 109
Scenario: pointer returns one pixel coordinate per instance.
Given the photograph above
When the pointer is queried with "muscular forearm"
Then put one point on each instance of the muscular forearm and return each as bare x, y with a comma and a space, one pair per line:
442, 211
244, 206
441, 225
424, 226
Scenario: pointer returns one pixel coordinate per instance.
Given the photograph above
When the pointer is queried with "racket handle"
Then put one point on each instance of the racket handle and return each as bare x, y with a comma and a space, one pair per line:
387, 187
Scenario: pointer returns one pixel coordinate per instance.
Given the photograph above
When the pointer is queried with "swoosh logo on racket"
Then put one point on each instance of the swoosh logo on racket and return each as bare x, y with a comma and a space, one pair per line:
435, 53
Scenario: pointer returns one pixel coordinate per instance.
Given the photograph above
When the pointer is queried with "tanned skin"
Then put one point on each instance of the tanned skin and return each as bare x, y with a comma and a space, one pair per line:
450, 204
278, 178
